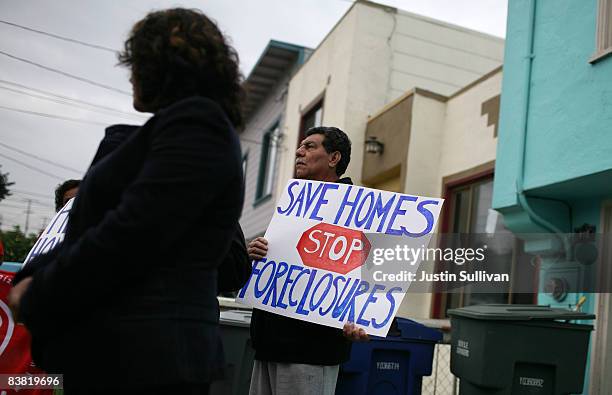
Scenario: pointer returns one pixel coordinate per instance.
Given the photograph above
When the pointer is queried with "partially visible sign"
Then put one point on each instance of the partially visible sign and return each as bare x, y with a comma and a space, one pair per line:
52, 235
14, 343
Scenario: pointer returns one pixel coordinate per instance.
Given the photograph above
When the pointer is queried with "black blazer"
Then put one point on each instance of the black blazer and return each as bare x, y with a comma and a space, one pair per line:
131, 294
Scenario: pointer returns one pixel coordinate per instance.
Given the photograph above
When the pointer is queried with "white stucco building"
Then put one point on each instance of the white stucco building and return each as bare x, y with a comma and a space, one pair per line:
372, 56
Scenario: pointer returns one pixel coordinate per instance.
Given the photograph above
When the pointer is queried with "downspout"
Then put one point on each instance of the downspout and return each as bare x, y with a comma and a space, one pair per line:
520, 179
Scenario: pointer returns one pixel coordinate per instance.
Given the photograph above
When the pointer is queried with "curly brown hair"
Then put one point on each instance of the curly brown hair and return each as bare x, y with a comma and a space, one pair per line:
177, 53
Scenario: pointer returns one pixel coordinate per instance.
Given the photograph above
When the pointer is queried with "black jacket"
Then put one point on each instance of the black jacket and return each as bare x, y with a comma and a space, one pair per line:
131, 293
282, 339
236, 267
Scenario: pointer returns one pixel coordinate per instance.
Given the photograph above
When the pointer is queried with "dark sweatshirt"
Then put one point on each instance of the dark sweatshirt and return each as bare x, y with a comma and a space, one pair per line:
281, 339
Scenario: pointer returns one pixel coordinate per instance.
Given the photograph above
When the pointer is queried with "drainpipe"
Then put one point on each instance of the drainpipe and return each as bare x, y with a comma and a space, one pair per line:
522, 198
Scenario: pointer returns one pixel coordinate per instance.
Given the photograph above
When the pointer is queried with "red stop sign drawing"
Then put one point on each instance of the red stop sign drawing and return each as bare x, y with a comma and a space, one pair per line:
333, 248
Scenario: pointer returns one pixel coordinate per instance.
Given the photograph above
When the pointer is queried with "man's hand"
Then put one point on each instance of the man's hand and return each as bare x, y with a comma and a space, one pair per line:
354, 333
14, 296
258, 248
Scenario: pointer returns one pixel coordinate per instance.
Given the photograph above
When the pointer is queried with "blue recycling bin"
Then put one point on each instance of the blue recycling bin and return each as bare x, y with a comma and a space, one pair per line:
390, 365
11, 266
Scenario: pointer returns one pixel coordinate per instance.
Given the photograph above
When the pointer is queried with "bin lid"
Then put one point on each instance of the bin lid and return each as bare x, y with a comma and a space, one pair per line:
411, 330
11, 266
235, 317
518, 312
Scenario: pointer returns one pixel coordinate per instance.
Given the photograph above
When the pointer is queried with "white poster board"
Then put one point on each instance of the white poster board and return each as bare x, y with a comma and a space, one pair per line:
320, 237
52, 235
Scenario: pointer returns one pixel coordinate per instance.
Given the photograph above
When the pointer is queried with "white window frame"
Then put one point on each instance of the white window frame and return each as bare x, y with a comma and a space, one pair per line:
267, 165
603, 34
601, 341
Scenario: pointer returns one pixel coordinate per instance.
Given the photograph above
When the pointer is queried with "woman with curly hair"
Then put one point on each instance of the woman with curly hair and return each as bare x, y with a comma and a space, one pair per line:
128, 303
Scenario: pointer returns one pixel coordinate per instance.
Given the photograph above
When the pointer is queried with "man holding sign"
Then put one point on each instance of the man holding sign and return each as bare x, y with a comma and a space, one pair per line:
293, 355
313, 274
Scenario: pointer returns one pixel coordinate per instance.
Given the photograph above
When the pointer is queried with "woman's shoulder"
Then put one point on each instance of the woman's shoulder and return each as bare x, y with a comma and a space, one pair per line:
191, 115
197, 118
198, 107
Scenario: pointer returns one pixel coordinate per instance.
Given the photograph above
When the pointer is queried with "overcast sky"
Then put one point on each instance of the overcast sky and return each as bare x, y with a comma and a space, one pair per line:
28, 140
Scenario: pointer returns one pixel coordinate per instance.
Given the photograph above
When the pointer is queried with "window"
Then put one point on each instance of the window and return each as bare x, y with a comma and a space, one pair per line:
245, 158
267, 164
604, 30
471, 214
312, 118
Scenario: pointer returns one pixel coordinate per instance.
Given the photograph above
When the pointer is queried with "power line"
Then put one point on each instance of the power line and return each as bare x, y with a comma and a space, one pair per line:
72, 40
11, 222
39, 206
23, 198
11, 217
32, 167
42, 114
70, 102
20, 191
5, 205
76, 77
67, 98
40, 158
35, 202
37, 210
24, 195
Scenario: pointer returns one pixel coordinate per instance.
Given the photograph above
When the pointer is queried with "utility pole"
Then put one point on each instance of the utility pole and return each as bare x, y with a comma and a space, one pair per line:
28, 212
43, 223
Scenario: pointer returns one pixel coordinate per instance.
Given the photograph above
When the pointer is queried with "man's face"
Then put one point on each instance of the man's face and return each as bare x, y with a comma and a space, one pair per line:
312, 162
69, 194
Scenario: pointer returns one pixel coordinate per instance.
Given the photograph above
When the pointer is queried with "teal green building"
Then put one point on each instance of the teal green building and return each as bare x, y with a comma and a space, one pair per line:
553, 170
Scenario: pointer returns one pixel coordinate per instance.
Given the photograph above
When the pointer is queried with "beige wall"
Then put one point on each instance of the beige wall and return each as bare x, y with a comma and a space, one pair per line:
421, 176
439, 57
374, 55
369, 75
426, 137
391, 127
468, 141
325, 74
446, 139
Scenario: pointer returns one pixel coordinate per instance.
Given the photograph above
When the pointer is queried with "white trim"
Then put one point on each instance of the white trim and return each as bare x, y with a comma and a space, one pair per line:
603, 35
600, 383
600, 55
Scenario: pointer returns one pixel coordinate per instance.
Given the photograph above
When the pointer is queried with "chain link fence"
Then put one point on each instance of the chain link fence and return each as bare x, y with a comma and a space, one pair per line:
441, 381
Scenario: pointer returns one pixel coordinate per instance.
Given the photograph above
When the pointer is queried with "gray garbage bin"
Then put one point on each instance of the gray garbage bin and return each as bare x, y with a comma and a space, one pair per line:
239, 354
518, 349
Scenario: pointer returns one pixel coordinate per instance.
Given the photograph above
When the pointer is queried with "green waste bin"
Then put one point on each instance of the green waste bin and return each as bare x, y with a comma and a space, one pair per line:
239, 354
518, 349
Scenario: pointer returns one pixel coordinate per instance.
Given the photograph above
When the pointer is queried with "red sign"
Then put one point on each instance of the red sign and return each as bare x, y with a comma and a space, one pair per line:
14, 342
333, 248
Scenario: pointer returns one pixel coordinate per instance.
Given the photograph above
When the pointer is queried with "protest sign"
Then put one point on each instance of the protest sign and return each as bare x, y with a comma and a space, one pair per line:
52, 235
317, 244
14, 343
